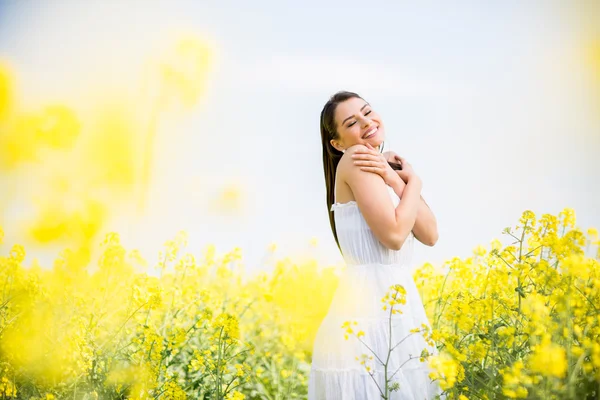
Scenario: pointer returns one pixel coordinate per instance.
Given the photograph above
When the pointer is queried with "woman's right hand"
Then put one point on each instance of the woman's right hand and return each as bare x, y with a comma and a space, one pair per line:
406, 173
370, 160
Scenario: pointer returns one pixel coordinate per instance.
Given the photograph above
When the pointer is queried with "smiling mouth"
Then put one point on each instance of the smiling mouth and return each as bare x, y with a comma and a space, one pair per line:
371, 132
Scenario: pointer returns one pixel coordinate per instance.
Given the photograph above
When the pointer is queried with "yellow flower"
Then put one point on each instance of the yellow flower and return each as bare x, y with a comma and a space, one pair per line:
174, 391
235, 395
519, 393
549, 359
568, 217
227, 326
446, 369
7, 388
17, 253
348, 328
5, 91
285, 373
528, 217
480, 251
513, 380
496, 244
239, 370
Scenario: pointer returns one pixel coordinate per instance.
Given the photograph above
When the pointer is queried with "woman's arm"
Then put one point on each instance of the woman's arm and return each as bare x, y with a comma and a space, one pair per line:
425, 228
390, 225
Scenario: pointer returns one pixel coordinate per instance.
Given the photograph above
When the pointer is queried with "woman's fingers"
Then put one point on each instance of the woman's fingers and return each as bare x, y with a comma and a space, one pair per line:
365, 157
368, 163
405, 164
367, 151
367, 160
375, 170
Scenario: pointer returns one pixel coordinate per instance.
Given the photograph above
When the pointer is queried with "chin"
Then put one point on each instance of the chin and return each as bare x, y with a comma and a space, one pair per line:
376, 142
377, 139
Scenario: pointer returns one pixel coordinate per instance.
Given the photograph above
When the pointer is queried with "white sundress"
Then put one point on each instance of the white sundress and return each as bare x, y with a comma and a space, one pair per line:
370, 270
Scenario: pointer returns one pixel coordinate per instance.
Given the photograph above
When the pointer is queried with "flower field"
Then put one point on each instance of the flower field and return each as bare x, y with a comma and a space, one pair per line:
514, 321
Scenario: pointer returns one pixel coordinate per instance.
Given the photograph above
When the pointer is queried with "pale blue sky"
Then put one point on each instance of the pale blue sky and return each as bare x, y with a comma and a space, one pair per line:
491, 102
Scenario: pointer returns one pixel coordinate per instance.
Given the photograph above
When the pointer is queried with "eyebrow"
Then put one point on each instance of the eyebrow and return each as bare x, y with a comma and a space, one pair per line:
344, 121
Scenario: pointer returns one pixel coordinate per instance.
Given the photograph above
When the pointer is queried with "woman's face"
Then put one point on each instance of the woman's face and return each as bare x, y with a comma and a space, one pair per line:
357, 123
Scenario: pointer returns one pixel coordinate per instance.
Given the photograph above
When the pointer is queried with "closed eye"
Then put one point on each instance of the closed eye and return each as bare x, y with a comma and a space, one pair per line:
367, 113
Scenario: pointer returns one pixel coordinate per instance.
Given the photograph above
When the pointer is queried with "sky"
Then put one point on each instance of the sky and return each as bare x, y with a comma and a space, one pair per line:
492, 103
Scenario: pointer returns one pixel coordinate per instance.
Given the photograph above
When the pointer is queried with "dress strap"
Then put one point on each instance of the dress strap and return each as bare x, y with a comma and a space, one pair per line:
334, 198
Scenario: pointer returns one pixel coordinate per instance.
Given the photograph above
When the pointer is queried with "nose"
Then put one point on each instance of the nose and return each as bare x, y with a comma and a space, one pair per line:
366, 121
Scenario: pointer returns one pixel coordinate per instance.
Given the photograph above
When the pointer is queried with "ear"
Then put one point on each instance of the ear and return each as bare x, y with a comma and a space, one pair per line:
336, 145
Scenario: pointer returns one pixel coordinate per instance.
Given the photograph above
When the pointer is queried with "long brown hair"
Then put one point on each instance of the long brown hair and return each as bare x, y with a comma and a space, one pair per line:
332, 156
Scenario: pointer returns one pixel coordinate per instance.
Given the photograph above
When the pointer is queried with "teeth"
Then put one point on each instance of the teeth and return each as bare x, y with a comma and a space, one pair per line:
371, 132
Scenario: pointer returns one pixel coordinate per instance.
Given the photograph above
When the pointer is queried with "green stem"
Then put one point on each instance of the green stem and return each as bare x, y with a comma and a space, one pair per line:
219, 365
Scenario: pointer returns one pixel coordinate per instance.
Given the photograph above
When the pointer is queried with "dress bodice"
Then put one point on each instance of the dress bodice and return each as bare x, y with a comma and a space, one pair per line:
358, 243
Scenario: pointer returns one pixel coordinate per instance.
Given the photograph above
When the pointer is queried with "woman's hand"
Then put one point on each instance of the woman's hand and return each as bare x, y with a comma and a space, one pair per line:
406, 173
407, 169
371, 160
392, 157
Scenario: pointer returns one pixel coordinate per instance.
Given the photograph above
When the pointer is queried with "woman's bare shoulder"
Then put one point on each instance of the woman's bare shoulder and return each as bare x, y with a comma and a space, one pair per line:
345, 172
346, 160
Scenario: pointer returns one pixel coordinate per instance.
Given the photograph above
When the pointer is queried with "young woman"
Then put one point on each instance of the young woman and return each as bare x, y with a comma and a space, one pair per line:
375, 212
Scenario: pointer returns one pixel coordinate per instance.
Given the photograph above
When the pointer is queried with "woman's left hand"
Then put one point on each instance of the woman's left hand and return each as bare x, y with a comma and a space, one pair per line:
391, 156
372, 161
